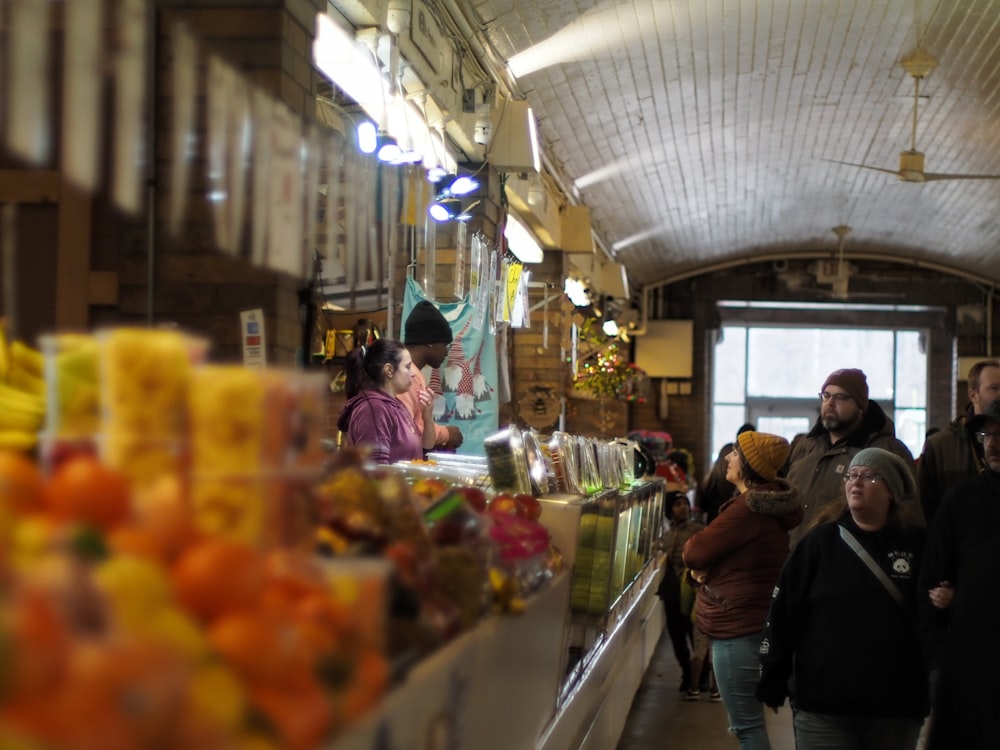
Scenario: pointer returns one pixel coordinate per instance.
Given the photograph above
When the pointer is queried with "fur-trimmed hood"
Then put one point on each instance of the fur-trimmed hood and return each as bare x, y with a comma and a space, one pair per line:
778, 499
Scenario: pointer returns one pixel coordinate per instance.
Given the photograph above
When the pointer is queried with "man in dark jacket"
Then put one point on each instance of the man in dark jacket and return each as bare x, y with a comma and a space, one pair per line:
847, 423
952, 454
963, 552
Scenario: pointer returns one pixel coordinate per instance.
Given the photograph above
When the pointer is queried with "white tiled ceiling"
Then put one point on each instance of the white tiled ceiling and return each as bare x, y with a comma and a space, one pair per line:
726, 116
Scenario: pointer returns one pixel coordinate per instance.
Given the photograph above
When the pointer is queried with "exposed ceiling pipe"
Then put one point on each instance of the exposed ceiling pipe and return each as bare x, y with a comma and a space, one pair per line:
814, 255
496, 67
989, 320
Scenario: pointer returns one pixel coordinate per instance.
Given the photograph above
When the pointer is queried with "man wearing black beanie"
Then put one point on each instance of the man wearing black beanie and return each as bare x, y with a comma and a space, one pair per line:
428, 337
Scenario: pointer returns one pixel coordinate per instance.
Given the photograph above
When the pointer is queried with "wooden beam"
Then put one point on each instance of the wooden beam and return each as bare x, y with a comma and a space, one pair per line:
103, 288
29, 186
73, 260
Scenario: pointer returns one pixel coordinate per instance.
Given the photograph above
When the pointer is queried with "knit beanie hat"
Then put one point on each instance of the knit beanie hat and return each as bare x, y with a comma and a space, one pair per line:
990, 414
765, 453
890, 467
853, 381
426, 325
672, 497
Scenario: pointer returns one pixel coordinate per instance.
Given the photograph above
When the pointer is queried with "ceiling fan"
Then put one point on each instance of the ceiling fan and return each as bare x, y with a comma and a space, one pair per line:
833, 272
911, 163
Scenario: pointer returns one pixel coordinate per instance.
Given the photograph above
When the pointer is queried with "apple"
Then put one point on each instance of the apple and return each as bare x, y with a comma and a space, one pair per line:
429, 488
474, 496
504, 502
529, 505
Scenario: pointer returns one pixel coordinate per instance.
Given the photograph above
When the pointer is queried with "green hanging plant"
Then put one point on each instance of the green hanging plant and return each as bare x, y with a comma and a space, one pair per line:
605, 371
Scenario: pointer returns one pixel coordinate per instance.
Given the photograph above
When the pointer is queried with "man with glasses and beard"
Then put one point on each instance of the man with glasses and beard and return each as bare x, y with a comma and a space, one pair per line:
960, 577
848, 422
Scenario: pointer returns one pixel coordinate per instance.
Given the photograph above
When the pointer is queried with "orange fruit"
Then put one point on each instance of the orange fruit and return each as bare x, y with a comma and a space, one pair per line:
300, 714
83, 489
162, 509
37, 643
216, 576
367, 684
256, 645
22, 487
135, 540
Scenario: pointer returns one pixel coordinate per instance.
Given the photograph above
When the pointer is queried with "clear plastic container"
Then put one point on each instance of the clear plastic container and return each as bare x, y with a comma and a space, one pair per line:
145, 376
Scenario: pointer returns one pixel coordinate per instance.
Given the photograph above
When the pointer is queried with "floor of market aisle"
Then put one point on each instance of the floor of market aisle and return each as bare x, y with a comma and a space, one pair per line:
660, 720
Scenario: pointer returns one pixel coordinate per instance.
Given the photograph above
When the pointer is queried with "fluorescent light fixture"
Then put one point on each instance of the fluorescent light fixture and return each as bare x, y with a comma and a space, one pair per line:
463, 185
445, 209
351, 66
367, 137
387, 148
436, 174
521, 242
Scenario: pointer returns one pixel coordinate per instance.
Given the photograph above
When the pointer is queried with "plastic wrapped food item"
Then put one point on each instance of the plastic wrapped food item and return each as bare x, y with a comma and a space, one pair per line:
73, 408
145, 376
562, 454
590, 479
506, 460
538, 465
522, 549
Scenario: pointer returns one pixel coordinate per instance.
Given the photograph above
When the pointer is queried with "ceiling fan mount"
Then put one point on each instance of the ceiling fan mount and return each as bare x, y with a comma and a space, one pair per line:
918, 64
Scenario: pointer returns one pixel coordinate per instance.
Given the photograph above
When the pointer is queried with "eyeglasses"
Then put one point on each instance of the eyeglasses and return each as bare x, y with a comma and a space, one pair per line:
837, 398
866, 477
985, 437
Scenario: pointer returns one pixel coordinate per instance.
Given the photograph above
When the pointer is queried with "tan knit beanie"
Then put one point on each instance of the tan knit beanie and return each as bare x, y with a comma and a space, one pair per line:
765, 453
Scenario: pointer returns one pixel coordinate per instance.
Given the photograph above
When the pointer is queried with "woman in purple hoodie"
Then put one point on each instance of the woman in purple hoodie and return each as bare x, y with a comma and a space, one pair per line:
373, 416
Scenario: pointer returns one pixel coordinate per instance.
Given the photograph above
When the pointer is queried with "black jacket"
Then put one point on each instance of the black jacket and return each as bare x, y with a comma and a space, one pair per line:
963, 547
855, 651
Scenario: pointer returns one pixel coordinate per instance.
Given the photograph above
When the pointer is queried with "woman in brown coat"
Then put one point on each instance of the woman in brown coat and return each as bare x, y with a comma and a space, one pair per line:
738, 557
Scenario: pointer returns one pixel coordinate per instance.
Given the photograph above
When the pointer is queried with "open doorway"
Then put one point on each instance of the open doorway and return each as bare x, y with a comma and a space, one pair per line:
768, 373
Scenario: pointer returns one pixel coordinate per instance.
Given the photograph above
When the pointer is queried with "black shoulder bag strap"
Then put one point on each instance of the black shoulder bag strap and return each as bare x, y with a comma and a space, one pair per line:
873, 566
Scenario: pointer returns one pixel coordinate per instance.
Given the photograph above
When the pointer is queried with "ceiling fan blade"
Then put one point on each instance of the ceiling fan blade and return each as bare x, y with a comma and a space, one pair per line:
864, 166
936, 176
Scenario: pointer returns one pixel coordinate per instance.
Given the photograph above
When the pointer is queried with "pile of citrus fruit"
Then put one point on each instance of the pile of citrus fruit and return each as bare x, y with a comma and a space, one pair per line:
121, 627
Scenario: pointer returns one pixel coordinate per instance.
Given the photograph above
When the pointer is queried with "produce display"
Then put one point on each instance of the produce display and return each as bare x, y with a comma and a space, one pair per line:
184, 565
124, 627
22, 394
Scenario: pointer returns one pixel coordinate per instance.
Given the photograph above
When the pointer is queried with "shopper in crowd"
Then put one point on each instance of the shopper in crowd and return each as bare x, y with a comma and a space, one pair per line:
738, 558
952, 454
715, 489
679, 627
848, 422
843, 620
702, 674
373, 415
428, 336
962, 560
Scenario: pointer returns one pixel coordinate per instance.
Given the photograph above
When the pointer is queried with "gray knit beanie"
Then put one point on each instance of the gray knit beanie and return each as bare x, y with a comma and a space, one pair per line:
890, 467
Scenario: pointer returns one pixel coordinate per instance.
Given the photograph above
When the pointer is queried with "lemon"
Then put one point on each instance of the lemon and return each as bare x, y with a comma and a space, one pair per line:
137, 588
31, 539
217, 694
177, 630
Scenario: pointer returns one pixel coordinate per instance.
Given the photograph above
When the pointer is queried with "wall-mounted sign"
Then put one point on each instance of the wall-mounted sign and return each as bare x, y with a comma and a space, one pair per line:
254, 341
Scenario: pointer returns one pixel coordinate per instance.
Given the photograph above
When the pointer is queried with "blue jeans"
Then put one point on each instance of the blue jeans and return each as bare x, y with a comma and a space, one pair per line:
825, 732
737, 670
